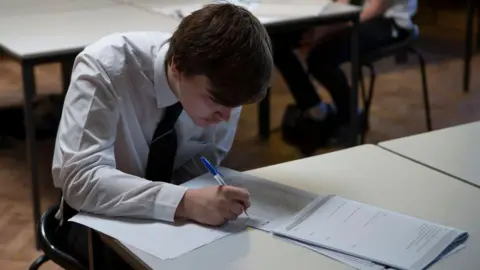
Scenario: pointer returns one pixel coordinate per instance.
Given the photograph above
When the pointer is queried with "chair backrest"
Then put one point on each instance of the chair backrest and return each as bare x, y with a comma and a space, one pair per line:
50, 245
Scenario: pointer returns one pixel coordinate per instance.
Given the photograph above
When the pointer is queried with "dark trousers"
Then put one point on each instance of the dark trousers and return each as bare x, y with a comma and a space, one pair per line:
324, 60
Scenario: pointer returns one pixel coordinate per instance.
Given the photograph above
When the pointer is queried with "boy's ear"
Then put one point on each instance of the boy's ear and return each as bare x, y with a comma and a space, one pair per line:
173, 68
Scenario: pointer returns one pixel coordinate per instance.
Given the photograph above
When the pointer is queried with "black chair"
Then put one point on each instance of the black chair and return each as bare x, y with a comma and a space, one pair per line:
51, 246
405, 45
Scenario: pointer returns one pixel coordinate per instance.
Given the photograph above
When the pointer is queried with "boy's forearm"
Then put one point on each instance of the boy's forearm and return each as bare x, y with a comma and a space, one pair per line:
373, 10
107, 191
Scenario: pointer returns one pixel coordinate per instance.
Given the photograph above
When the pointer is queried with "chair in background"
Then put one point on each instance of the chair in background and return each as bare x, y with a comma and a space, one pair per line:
50, 245
473, 9
406, 45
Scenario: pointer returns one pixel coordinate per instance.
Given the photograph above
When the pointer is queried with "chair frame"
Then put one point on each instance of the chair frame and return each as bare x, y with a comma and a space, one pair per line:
51, 250
367, 98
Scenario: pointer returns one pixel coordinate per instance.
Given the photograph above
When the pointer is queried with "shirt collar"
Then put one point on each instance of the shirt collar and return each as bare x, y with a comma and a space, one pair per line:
165, 95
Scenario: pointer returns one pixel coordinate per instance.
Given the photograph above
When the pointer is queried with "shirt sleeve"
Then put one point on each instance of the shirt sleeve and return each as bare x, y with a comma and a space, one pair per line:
84, 161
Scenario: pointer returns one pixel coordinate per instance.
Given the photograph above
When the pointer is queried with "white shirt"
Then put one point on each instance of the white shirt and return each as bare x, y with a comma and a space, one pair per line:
402, 11
117, 95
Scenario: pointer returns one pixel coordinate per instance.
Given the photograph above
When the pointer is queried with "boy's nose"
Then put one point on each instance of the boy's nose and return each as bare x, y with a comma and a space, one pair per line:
222, 115
225, 114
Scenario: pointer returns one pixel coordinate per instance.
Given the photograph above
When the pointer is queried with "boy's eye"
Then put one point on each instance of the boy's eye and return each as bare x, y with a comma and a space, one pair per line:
211, 99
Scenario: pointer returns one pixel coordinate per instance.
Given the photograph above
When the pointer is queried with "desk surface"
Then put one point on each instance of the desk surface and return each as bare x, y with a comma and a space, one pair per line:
10, 8
37, 31
64, 32
269, 14
366, 173
453, 150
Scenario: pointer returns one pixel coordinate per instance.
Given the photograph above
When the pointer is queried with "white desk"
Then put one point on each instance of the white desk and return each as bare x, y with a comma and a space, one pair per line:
454, 151
269, 12
31, 7
366, 173
50, 34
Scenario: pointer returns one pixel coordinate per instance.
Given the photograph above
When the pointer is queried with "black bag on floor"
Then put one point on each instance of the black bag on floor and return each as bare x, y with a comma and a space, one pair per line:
298, 131
306, 134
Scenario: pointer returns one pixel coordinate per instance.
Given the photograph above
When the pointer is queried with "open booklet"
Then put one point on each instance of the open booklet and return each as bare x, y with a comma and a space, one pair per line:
371, 233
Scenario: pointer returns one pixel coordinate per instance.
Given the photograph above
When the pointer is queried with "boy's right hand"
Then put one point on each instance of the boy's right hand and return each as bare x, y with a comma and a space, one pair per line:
214, 205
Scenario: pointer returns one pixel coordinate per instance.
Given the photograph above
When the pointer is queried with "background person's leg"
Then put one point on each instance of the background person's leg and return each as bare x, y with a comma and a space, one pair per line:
292, 70
326, 57
298, 123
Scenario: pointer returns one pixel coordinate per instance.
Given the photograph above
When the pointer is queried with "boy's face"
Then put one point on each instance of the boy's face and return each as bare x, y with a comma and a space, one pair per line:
194, 94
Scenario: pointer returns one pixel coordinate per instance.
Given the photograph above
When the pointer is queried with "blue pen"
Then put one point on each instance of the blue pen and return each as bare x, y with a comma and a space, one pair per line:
216, 174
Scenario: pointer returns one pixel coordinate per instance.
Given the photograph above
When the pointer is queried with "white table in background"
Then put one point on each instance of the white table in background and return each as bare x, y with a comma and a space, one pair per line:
454, 151
9, 8
367, 174
49, 37
53, 34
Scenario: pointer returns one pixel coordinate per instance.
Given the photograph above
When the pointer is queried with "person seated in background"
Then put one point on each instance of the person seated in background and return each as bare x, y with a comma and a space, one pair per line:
310, 123
141, 110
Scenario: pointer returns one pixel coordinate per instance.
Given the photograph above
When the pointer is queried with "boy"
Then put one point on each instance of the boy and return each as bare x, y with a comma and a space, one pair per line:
120, 147
382, 22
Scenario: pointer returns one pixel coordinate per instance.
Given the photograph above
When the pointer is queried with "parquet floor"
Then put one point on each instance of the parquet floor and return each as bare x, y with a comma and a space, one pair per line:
397, 111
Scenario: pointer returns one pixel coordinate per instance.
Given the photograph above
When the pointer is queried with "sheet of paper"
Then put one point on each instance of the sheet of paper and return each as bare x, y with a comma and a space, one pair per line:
283, 10
162, 240
371, 233
271, 203
265, 12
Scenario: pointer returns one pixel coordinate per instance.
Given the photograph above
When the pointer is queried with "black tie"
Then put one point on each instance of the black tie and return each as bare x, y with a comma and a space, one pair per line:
163, 147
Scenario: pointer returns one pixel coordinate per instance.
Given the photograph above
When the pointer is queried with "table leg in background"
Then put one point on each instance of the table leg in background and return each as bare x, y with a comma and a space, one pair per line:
264, 116
28, 96
94, 245
468, 46
355, 66
477, 47
67, 65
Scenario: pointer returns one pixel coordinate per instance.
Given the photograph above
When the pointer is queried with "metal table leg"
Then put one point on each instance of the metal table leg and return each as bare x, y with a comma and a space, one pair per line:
95, 245
468, 46
478, 29
67, 66
355, 66
264, 116
29, 94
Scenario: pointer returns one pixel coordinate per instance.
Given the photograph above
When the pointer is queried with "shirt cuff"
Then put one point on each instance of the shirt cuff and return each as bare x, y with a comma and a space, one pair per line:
167, 202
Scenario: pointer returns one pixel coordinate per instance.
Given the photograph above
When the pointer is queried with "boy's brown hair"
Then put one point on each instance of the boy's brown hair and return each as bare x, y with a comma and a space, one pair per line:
228, 45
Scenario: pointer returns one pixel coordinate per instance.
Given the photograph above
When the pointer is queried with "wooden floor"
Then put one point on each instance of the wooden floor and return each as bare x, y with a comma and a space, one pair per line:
397, 111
